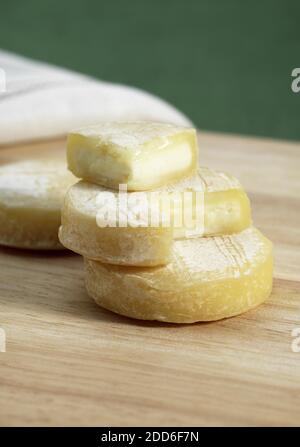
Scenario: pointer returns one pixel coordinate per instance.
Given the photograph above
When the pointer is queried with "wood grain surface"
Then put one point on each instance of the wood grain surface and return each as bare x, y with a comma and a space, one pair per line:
68, 362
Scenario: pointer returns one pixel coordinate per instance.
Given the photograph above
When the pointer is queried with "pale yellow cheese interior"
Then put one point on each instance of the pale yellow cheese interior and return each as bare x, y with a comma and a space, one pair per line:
144, 155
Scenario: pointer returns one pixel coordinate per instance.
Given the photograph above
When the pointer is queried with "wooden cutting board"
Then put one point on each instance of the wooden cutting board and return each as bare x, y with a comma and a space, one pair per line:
69, 362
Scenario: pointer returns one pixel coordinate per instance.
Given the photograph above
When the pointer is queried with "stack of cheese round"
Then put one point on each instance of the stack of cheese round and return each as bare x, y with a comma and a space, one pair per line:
210, 266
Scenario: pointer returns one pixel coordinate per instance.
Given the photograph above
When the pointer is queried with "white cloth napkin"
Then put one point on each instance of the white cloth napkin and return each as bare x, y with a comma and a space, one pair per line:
41, 101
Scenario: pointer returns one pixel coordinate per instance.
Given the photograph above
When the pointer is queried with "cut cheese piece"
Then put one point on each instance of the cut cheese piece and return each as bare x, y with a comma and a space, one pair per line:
143, 155
207, 279
223, 208
227, 208
31, 196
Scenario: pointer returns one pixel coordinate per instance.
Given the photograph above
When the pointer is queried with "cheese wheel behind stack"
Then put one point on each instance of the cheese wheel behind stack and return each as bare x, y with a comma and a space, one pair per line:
31, 196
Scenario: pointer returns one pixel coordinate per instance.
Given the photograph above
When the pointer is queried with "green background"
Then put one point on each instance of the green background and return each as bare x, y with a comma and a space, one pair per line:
226, 64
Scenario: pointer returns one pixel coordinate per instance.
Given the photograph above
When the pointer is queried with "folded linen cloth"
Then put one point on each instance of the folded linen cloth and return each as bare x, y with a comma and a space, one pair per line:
41, 101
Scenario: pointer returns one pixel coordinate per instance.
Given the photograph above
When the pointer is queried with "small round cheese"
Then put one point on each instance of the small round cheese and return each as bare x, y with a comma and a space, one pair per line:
223, 208
31, 196
207, 279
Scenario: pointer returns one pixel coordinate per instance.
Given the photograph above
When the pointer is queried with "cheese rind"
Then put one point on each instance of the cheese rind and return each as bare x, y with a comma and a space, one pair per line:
144, 155
226, 210
208, 279
31, 196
